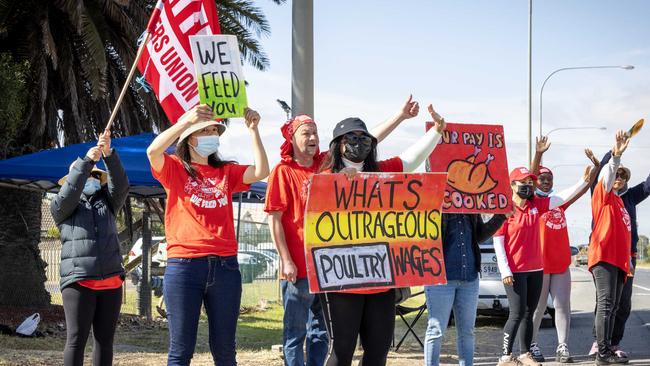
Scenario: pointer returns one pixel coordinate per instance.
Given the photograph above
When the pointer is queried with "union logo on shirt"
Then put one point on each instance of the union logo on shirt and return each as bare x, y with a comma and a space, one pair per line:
555, 219
626, 218
206, 192
533, 211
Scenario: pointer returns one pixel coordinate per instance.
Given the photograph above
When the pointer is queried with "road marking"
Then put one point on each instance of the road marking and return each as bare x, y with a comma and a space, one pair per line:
641, 287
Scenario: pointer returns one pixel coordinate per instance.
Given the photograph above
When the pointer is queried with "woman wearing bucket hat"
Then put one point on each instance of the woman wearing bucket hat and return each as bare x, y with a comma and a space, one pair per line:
366, 314
91, 264
518, 251
202, 266
609, 250
556, 253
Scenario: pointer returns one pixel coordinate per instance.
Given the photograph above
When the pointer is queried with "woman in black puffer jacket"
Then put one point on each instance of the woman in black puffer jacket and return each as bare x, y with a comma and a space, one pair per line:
91, 264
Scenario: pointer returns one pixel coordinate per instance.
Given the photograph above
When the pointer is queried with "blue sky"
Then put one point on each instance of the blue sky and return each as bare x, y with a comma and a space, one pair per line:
469, 58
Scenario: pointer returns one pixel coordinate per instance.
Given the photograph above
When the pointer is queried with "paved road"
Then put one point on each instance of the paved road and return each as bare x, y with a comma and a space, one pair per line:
637, 335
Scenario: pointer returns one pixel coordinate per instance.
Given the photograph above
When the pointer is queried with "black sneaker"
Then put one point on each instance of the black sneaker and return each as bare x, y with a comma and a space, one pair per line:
536, 353
609, 359
562, 354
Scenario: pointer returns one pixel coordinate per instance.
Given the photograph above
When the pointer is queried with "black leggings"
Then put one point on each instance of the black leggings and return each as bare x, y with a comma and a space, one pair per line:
84, 308
349, 316
609, 281
523, 297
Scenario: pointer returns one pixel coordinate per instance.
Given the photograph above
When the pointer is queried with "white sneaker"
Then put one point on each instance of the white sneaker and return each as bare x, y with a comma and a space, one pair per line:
594, 349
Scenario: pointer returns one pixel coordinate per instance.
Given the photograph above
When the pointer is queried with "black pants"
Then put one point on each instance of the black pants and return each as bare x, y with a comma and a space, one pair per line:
84, 308
523, 297
623, 311
350, 316
609, 281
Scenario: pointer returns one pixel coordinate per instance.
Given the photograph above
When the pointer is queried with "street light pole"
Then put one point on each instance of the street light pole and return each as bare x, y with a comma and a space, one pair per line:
530, 81
576, 128
541, 92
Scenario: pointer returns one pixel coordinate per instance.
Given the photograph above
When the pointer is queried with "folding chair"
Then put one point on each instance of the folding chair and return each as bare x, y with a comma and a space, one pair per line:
402, 311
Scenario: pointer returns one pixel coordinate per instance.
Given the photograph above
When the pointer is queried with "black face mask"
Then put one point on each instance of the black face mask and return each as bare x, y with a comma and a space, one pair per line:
357, 152
525, 191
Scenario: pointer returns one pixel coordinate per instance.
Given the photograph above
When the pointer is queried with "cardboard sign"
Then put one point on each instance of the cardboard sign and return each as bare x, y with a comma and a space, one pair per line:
474, 157
380, 230
219, 74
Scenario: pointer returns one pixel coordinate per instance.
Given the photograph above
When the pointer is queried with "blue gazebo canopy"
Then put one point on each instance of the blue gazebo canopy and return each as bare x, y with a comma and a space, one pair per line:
42, 170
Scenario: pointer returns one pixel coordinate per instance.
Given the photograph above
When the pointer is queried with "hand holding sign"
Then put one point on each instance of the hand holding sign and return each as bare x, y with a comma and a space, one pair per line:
349, 172
438, 122
104, 142
200, 113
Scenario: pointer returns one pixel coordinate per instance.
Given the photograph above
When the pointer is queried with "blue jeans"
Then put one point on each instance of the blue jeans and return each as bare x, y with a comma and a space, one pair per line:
303, 318
190, 282
462, 297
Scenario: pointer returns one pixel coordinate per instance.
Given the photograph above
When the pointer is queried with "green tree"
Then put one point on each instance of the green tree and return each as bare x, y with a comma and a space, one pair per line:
76, 55
644, 246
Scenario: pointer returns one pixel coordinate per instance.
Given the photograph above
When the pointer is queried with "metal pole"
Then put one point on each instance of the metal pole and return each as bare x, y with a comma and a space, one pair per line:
144, 288
239, 215
530, 81
302, 58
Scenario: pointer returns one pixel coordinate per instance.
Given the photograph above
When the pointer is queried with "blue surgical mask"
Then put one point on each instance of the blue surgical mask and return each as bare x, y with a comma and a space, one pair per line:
541, 193
206, 145
91, 187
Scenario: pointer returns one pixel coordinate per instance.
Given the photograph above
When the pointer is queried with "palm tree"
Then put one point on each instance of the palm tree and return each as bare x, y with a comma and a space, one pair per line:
79, 52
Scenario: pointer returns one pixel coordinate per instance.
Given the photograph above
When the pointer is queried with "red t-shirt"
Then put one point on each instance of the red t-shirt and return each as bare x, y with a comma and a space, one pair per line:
521, 236
391, 165
286, 191
611, 235
554, 238
110, 283
199, 215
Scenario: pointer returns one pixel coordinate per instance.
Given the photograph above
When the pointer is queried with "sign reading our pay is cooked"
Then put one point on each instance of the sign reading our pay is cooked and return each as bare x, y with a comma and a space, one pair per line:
219, 74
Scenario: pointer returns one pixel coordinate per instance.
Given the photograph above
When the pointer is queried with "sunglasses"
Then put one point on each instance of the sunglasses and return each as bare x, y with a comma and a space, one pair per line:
96, 175
354, 139
622, 175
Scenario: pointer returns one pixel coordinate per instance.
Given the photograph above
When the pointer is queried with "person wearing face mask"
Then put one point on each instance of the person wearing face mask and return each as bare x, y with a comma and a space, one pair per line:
304, 337
556, 253
518, 251
367, 314
202, 267
631, 196
91, 268
609, 250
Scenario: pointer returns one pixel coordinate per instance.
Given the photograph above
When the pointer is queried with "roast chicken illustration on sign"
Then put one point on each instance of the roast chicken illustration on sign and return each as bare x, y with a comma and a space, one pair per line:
470, 175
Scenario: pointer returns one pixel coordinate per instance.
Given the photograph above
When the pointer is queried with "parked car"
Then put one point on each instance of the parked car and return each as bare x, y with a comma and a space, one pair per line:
492, 298
271, 264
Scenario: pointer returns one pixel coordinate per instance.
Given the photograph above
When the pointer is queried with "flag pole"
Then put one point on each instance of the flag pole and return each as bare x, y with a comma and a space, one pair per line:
155, 15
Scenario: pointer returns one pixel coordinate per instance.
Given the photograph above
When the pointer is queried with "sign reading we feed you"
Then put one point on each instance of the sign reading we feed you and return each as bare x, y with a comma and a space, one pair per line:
219, 74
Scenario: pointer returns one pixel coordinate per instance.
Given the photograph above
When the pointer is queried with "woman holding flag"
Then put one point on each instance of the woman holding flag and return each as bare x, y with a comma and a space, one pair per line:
202, 266
368, 314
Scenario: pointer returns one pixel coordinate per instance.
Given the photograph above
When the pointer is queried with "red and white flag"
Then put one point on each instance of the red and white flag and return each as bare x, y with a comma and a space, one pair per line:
166, 62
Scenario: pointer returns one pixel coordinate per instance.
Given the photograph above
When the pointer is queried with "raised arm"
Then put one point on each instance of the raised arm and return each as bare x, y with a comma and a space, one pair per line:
156, 151
260, 169
592, 178
422, 148
409, 110
622, 141
640, 191
572, 192
66, 201
118, 182
541, 146
599, 166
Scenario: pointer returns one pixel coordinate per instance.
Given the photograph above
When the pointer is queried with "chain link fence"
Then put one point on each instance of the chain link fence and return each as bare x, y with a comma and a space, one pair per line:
258, 259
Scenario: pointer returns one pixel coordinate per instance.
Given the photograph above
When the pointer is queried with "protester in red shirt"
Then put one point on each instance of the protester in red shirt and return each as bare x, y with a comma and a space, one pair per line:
518, 251
609, 250
366, 314
286, 196
556, 253
202, 266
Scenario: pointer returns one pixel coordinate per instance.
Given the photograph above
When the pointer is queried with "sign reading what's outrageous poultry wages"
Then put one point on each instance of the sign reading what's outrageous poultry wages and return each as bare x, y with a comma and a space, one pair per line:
474, 157
378, 230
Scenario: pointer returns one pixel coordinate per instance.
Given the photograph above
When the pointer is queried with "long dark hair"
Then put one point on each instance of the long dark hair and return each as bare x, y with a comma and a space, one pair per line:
334, 159
183, 153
